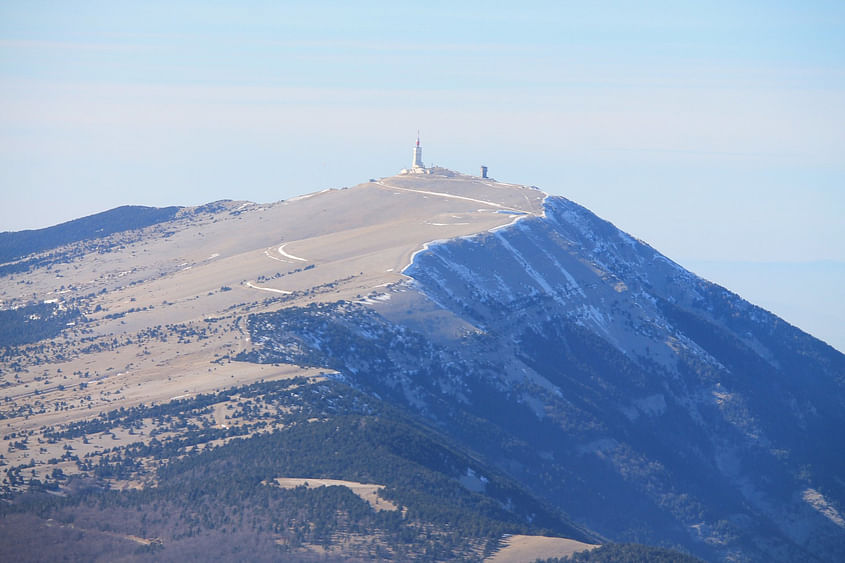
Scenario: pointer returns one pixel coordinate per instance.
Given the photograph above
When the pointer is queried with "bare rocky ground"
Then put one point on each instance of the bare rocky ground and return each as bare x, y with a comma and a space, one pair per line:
164, 309
520, 548
537, 348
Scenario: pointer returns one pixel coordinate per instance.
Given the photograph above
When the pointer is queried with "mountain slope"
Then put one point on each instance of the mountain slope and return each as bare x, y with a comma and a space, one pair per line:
514, 332
436, 503
597, 368
14, 245
726, 399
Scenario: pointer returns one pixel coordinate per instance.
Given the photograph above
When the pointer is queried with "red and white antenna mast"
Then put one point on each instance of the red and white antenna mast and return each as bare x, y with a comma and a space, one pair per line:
418, 163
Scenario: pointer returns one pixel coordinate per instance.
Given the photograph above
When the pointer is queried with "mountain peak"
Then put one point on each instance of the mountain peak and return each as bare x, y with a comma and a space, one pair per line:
563, 353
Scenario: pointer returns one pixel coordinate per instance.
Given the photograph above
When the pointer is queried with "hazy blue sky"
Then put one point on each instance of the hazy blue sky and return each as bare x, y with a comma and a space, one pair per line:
715, 131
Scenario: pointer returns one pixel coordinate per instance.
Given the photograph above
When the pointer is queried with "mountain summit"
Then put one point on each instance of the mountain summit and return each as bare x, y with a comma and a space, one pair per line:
569, 379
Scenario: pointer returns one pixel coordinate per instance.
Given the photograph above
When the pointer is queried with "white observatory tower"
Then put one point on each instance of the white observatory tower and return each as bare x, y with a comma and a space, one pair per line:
418, 165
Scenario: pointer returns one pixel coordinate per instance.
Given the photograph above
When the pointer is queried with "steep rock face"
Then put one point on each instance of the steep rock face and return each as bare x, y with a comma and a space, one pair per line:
717, 396
649, 404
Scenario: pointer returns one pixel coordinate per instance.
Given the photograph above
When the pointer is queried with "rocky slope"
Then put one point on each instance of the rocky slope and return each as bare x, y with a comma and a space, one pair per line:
650, 404
579, 382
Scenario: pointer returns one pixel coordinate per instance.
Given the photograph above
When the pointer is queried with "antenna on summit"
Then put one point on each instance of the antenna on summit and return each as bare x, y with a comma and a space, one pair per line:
418, 165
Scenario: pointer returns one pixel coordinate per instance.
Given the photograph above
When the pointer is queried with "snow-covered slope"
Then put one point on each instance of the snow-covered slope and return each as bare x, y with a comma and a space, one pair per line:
648, 403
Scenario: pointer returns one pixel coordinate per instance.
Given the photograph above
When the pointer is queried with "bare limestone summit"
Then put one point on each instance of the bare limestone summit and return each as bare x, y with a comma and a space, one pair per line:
506, 361
417, 166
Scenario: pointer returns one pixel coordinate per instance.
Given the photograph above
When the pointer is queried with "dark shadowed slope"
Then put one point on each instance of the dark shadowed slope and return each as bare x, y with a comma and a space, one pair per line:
648, 403
14, 245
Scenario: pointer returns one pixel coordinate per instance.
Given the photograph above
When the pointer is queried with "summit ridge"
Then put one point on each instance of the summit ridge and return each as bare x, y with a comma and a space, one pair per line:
580, 368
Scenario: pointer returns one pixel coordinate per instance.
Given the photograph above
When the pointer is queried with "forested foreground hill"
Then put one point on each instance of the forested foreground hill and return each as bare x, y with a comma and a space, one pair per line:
625, 553
211, 490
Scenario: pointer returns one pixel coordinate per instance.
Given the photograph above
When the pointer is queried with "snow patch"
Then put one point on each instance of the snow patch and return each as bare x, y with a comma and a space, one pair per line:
306, 196
515, 220
372, 300
541, 281
282, 291
281, 251
821, 504
475, 483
